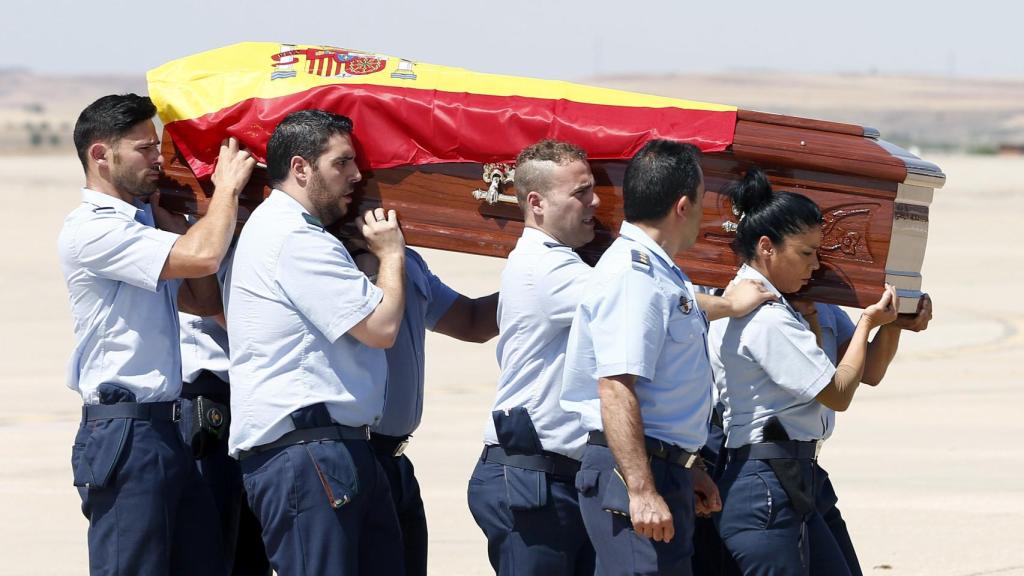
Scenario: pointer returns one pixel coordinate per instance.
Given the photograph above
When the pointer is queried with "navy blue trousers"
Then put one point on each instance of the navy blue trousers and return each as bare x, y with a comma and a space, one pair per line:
539, 530
412, 519
325, 508
710, 556
826, 500
244, 553
620, 550
762, 530
148, 510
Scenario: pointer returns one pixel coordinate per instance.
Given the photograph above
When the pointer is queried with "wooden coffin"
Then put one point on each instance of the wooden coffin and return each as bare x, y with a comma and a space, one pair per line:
874, 195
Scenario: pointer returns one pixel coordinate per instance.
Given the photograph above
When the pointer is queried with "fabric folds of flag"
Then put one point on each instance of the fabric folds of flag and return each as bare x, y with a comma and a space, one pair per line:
410, 113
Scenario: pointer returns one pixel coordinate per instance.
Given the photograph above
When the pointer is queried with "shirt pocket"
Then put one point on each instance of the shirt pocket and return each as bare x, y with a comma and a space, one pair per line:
686, 327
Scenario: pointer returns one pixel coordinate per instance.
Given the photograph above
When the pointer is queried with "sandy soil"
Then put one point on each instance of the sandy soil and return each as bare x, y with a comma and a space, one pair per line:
927, 466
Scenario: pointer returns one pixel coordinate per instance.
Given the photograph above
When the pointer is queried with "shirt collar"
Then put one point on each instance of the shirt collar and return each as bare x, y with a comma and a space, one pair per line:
537, 236
99, 199
637, 234
746, 272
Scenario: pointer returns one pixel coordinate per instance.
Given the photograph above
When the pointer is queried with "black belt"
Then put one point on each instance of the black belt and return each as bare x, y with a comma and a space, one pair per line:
791, 450
206, 384
549, 462
662, 450
393, 446
167, 411
304, 435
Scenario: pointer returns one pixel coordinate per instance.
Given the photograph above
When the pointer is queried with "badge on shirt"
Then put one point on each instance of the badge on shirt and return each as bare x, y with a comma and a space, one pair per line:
685, 304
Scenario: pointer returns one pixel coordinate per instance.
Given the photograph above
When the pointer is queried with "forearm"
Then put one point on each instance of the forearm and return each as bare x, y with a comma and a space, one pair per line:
624, 430
714, 307
838, 394
201, 296
204, 245
485, 317
381, 327
880, 353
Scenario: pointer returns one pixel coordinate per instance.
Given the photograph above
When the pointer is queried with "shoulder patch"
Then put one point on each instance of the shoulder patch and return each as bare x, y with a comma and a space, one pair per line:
313, 221
641, 261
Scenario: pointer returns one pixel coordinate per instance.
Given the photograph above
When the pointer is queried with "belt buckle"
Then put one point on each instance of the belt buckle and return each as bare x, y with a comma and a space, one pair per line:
400, 449
817, 448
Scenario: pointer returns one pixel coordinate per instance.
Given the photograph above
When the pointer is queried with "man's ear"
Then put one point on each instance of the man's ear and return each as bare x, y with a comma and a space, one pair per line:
299, 168
533, 202
683, 206
99, 152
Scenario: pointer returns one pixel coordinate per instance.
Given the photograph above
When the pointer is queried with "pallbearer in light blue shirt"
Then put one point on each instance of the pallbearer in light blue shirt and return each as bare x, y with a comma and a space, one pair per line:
205, 417
637, 373
522, 491
148, 510
779, 390
430, 304
308, 371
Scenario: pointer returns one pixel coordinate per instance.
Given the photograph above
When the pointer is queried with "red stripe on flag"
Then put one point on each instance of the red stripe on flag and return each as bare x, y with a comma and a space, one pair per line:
408, 126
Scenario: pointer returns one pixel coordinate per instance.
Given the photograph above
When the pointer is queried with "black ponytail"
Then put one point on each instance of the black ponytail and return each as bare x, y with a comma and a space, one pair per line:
767, 213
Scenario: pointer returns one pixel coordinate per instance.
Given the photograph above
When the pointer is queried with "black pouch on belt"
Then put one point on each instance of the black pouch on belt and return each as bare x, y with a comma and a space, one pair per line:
516, 432
788, 471
210, 422
801, 494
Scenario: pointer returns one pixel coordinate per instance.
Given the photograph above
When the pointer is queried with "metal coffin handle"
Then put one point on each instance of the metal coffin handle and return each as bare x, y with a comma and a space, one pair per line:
498, 175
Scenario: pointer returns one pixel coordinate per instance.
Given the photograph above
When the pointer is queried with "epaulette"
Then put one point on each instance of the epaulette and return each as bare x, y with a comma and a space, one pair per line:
555, 245
313, 221
641, 261
103, 210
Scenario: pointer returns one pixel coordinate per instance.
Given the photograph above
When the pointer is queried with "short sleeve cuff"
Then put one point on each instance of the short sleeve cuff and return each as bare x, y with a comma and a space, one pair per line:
638, 369
343, 324
818, 384
442, 298
163, 242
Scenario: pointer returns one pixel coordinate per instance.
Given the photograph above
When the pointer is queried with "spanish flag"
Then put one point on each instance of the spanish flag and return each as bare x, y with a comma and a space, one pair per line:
407, 112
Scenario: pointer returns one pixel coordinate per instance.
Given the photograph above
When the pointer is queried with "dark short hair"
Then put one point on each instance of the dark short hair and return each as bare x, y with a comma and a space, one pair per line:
661, 173
531, 175
108, 119
305, 134
768, 213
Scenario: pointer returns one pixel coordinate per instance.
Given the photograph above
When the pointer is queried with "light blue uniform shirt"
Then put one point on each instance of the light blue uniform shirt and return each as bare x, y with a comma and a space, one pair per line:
540, 288
427, 299
125, 317
768, 364
204, 346
639, 316
293, 294
204, 342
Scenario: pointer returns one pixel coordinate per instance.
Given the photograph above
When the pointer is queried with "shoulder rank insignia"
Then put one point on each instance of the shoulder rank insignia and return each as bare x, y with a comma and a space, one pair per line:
555, 245
641, 261
103, 210
312, 220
